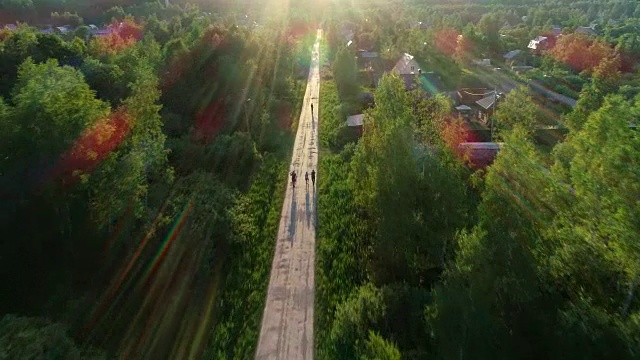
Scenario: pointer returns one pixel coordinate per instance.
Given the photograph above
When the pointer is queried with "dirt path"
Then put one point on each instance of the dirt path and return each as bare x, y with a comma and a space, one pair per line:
287, 322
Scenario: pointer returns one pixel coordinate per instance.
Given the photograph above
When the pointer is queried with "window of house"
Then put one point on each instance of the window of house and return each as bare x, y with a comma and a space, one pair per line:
413, 68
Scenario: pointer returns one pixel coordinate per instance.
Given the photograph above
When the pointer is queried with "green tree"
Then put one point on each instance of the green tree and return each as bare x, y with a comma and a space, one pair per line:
517, 109
105, 80
53, 105
377, 348
23, 338
353, 321
345, 72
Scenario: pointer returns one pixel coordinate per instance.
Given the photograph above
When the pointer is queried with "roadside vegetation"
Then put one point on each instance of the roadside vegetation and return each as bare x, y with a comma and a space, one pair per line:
142, 172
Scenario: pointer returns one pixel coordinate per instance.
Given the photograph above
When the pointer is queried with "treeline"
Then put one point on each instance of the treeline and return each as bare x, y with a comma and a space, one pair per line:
142, 175
534, 257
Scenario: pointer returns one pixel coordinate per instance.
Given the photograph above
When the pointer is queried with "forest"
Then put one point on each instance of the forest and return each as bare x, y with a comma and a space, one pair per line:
421, 256
142, 173
144, 152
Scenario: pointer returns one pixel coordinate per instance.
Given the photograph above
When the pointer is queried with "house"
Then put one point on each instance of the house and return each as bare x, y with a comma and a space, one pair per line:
519, 69
103, 32
483, 62
557, 30
480, 154
420, 25
407, 68
480, 102
364, 54
11, 27
63, 29
355, 122
469, 96
369, 61
512, 54
407, 65
512, 57
464, 110
587, 30
539, 44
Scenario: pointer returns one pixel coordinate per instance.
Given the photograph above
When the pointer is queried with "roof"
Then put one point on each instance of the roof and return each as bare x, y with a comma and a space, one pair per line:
481, 145
521, 68
355, 120
421, 25
586, 30
511, 54
481, 154
469, 96
367, 54
11, 27
535, 43
463, 108
487, 102
64, 29
407, 65
485, 62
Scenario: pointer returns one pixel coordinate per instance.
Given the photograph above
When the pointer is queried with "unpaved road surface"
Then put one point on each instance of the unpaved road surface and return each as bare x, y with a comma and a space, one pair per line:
287, 322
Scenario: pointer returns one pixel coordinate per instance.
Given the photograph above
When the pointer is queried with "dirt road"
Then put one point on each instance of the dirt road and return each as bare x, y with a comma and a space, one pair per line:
287, 322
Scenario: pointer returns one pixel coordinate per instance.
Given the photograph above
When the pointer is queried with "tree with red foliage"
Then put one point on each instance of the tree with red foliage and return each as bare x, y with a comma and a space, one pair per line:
446, 40
110, 44
580, 52
209, 122
453, 133
129, 29
124, 35
94, 145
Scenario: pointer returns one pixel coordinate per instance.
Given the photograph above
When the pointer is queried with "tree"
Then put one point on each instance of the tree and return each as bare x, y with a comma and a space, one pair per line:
23, 338
517, 109
489, 27
345, 72
385, 169
116, 13
141, 157
105, 79
492, 291
377, 348
354, 318
17, 47
600, 219
67, 18
580, 52
365, 41
50, 118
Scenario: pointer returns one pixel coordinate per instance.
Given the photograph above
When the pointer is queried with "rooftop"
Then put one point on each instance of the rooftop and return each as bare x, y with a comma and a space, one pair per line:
355, 120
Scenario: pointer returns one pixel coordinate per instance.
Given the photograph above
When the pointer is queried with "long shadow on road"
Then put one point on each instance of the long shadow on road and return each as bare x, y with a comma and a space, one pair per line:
292, 216
308, 208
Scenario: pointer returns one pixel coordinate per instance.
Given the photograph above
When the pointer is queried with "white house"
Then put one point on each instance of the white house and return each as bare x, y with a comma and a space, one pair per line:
407, 65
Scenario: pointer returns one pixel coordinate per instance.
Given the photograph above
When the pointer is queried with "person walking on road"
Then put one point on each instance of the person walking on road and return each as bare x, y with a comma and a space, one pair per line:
306, 178
313, 177
293, 178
